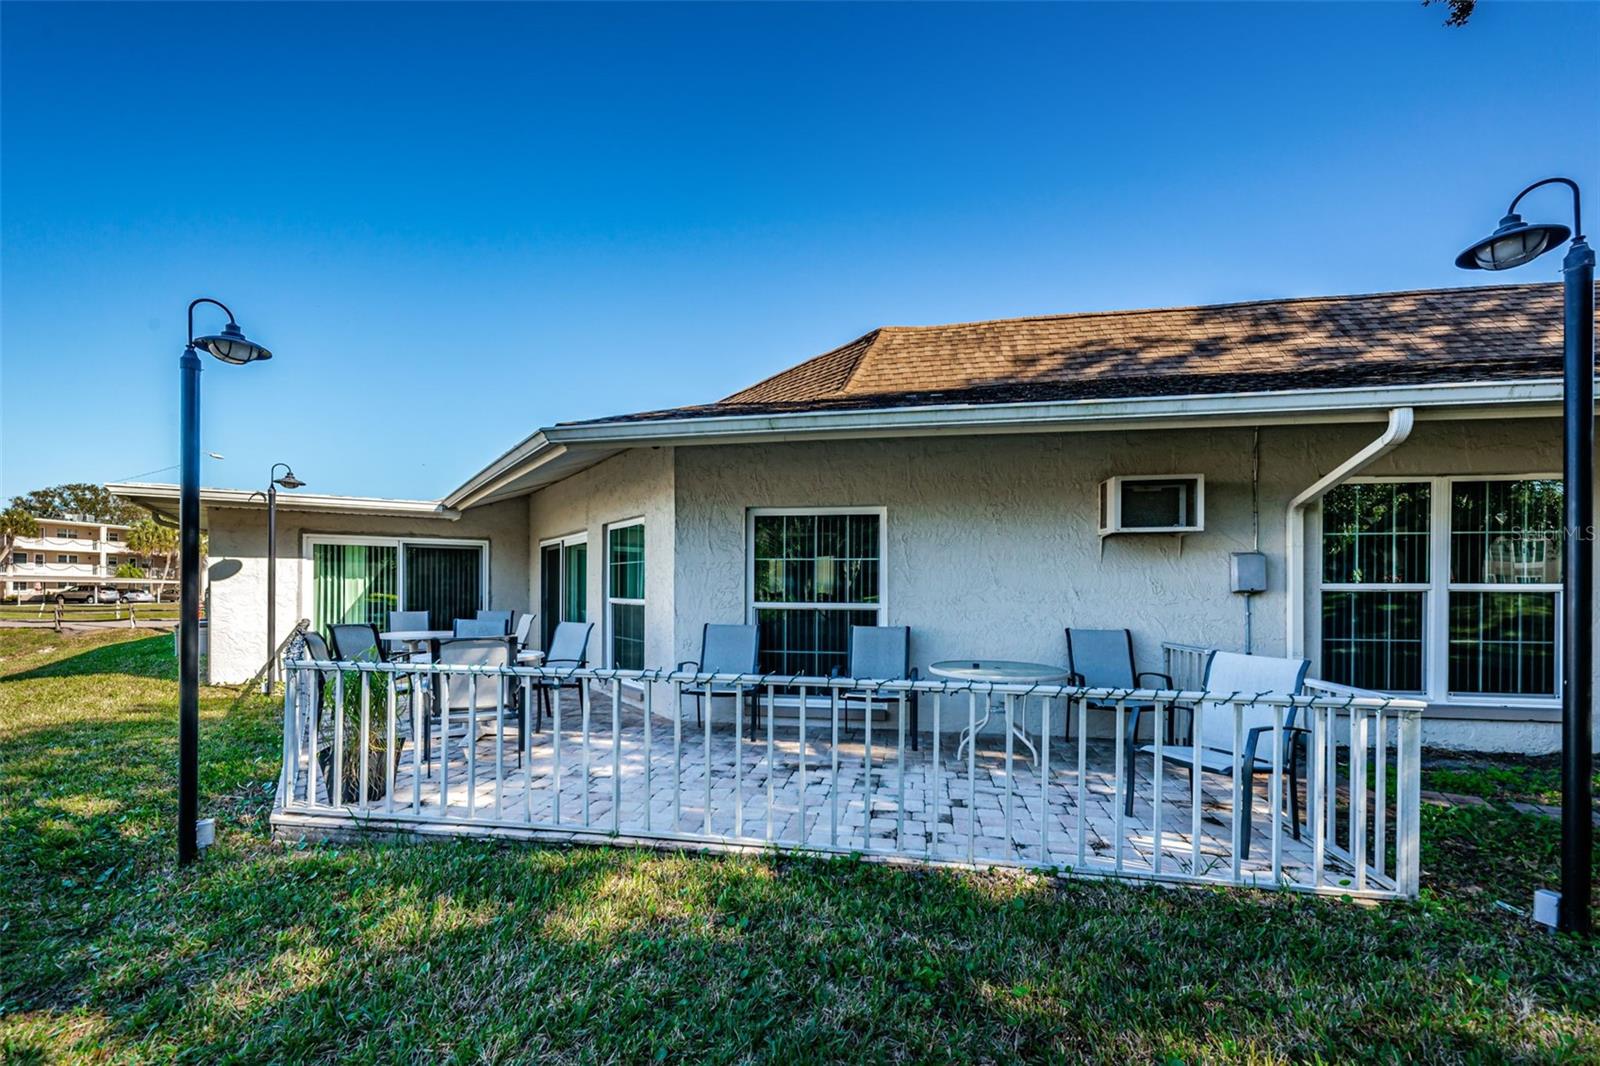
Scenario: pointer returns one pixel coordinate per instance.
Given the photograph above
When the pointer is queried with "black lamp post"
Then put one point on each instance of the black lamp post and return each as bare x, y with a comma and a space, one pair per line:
287, 481
231, 347
1516, 242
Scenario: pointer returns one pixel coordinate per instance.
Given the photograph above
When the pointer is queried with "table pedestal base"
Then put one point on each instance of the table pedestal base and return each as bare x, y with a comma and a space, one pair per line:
969, 736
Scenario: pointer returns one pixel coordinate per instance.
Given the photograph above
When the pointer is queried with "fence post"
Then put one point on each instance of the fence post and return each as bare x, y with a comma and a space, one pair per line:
58, 616
1408, 803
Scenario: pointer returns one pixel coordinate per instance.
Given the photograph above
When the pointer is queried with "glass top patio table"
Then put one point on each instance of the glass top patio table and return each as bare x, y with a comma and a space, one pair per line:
417, 636
999, 671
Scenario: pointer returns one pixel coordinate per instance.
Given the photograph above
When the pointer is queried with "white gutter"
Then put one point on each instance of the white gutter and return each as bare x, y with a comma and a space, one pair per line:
1533, 397
1401, 420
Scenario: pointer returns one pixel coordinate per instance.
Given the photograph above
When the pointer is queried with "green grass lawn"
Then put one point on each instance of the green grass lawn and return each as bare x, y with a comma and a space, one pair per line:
483, 952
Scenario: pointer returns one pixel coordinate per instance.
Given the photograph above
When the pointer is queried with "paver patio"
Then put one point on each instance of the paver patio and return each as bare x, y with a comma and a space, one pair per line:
924, 811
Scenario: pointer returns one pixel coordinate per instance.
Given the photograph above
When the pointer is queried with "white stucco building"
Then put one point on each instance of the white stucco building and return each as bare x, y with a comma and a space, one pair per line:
1394, 457
83, 553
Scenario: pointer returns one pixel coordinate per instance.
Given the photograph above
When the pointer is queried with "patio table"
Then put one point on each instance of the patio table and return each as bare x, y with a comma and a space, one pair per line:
530, 657
414, 639
998, 672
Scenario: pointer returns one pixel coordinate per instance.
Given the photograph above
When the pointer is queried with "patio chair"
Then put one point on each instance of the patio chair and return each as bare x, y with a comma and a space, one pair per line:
524, 630
474, 699
480, 627
1103, 658
880, 653
506, 618
314, 649
724, 649
401, 620
362, 638
569, 645
356, 642
1231, 673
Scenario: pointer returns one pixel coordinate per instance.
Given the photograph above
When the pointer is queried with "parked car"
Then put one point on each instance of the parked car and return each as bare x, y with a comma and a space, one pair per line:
138, 596
84, 594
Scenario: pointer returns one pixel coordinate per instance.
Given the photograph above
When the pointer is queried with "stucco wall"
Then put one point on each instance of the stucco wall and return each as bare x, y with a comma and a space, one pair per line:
635, 484
237, 570
992, 542
993, 547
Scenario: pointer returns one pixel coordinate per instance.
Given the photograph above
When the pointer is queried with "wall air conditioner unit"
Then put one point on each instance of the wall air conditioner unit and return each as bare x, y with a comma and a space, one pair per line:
1153, 503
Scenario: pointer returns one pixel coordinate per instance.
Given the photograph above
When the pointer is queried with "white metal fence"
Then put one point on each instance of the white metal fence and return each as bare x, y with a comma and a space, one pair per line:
831, 765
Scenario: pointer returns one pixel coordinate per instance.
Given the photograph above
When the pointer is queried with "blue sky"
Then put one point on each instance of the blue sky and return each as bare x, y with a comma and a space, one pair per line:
455, 224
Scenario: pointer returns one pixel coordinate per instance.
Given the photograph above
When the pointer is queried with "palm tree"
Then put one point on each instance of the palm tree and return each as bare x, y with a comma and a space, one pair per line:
14, 523
148, 538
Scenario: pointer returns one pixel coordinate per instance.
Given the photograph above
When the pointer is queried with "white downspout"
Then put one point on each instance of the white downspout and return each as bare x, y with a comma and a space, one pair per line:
1399, 428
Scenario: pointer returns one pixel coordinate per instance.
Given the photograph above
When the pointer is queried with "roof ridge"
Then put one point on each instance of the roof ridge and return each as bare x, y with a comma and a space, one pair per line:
1130, 311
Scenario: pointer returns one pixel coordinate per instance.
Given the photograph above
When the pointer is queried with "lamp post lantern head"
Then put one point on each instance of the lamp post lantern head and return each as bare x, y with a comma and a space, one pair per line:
1512, 244
231, 346
289, 481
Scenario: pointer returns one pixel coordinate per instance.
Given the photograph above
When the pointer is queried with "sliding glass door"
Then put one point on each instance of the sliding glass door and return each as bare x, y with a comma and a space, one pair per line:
353, 583
358, 580
444, 581
563, 583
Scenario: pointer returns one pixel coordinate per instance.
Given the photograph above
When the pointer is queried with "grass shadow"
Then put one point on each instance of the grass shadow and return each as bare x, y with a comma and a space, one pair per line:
141, 657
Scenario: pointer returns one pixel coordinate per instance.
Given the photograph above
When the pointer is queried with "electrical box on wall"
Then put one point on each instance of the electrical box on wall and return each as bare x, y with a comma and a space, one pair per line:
1153, 503
1247, 572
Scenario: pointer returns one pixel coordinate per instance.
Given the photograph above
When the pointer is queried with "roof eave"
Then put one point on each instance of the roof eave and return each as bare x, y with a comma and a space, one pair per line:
1527, 398
157, 497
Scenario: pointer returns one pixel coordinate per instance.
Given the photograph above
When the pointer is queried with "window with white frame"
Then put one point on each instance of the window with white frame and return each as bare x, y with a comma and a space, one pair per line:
1375, 577
813, 575
625, 594
1505, 584
1448, 587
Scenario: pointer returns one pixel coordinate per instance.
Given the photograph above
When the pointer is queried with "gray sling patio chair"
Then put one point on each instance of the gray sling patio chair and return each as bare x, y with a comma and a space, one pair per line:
314, 649
474, 700
356, 642
724, 649
1229, 673
480, 627
506, 618
1103, 658
880, 653
523, 631
404, 620
360, 645
569, 645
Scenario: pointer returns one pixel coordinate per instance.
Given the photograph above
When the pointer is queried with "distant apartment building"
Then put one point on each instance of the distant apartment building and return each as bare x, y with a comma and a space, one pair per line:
75, 552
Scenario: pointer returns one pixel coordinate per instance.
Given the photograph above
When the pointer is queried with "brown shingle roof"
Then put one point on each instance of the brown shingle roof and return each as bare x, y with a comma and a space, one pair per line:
1492, 333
